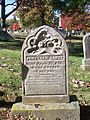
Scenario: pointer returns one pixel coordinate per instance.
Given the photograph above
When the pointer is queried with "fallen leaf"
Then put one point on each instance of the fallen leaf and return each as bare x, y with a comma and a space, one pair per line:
8, 97
82, 84
88, 84
11, 69
75, 81
17, 116
4, 65
83, 103
77, 73
15, 64
75, 85
20, 88
3, 57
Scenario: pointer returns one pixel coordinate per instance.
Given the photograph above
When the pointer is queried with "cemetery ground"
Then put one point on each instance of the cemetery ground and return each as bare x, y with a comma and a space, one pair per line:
11, 81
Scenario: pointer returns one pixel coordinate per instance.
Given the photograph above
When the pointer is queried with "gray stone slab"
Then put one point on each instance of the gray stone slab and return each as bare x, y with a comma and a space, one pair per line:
61, 111
45, 67
86, 64
86, 48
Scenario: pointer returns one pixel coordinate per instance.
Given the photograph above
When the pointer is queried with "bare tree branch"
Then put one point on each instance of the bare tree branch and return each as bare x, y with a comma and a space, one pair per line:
12, 10
10, 4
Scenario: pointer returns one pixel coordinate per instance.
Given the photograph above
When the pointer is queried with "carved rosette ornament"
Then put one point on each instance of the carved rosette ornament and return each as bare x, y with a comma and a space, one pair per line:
44, 43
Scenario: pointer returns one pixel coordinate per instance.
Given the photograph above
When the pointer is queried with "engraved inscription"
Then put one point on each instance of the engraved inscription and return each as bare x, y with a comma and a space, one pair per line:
46, 74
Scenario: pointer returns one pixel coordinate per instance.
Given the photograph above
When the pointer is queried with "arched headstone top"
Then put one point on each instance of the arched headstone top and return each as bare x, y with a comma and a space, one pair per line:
45, 41
45, 66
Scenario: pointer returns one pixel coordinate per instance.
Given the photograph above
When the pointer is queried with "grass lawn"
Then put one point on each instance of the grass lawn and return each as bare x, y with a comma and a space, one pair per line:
11, 83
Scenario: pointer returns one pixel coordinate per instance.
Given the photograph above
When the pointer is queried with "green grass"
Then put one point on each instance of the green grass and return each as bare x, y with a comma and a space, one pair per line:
10, 75
76, 73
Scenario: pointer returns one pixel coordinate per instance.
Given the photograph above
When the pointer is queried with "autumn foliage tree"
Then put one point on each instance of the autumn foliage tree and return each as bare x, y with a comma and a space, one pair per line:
76, 21
35, 13
15, 27
74, 12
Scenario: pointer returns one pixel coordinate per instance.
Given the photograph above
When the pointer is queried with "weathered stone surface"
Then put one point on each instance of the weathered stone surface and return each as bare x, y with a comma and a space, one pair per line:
62, 111
86, 48
86, 64
45, 78
45, 67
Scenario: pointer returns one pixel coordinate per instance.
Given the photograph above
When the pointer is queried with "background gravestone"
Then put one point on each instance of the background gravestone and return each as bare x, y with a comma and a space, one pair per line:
45, 67
4, 36
86, 49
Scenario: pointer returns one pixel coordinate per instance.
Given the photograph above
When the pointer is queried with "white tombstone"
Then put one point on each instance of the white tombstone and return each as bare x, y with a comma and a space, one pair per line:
86, 49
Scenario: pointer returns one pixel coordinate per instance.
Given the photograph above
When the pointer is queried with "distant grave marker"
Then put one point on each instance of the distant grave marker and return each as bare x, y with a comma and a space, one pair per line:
86, 49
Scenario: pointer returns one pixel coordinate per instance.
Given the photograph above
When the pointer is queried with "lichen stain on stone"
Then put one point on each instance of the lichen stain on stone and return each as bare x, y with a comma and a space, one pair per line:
16, 108
21, 107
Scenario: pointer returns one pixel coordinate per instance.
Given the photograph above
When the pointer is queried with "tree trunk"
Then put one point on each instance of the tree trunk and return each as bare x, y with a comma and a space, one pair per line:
43, 20
3, 19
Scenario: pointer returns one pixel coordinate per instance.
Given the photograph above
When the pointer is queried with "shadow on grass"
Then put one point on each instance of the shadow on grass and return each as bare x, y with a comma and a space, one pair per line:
6, 104
15, 45
9, 104
23, 38
75, 37
84, 112
75, 49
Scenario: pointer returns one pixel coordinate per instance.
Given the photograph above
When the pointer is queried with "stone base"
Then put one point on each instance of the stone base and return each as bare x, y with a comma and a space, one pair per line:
61, 111
45, 99
86, 64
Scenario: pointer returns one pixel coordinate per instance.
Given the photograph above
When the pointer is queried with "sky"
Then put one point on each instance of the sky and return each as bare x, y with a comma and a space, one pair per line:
8, 8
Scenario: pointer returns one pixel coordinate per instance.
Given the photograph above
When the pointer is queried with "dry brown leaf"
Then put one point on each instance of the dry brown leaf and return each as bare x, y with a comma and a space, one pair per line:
3, 57
88, 84
11, 69
82, 84
77, 73
75, 85
20, 88
4, 65
75, 81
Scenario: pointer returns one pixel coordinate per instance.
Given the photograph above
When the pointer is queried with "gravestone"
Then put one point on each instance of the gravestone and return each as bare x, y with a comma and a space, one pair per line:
44, 59
71, 48
45, 67
86, 49
4, 36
